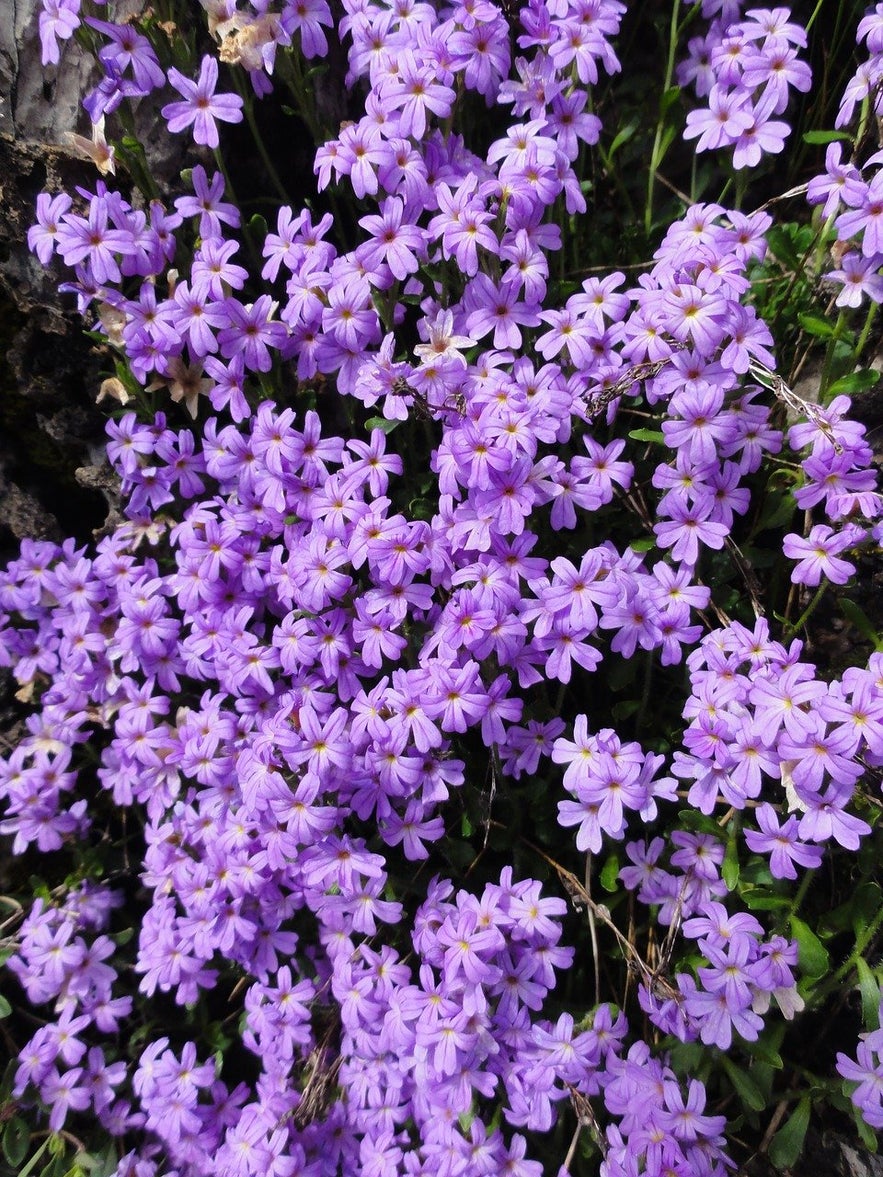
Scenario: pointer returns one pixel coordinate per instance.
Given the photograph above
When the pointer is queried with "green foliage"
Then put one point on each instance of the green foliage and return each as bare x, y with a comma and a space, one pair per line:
787, 1144
814, 959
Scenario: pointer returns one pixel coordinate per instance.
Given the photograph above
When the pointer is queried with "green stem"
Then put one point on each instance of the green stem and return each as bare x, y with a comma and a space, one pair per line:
799, 274
809, 610
834, 980
248, 103
613, 172
658, 152
861, 943
253, 252
694, 178
816, 11
741, 187
33, 1161
830, 356
228, 183
799, 896
292, 74
645, 693
866, 329
135, 159
822, 244
385, 305
863, 119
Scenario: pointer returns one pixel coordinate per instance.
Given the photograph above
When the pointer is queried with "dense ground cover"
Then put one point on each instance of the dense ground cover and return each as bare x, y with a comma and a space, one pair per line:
431, 770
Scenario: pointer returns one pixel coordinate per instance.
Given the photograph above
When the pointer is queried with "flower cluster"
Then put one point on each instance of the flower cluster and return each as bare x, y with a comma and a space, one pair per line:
63, 955
302, 650
849, 191
746, 70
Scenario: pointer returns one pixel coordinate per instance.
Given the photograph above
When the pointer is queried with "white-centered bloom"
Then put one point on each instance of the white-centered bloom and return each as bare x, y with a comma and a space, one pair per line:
442, 343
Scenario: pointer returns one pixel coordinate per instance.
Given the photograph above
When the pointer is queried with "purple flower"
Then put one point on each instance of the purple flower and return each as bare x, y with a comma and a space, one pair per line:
818, 555
413, 90
63, 1093
395, 242
688, 528
213, 269
59, 19
727, 116
43, 236
763, 135
201, 106
866, 1070
307, 18
129, 48
206, 204
463, 224
251, 331
93, 242
866, 201
859, 276
496, 307
829, 187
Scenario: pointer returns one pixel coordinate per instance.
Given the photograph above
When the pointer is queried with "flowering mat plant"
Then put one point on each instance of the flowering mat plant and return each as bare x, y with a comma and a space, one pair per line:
429, 770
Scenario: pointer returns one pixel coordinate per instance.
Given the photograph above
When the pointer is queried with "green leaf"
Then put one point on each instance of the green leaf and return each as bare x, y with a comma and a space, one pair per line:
258, 225
757, 874
622, 138
861, 381
101, 1164
687, 1058
777, 511
813, 955
57, 1167
16, 1138
381, 423
764, 1052
645, 544
787, 1145
865, 1131
865, 905
610, 874
782, 244
460, 854
421, 509
32, 1163
816, 325
755, 901
669, 98
822, 137
651, 435
869, 987
855, 914
626, 709
746, 1088
668, 137
692, 819
730, 868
